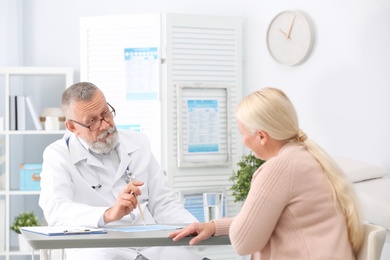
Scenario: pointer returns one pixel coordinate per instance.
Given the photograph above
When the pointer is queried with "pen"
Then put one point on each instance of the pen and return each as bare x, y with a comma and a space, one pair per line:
140, 210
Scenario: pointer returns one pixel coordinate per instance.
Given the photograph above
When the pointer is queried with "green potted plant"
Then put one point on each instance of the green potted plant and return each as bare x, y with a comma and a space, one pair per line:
243, 176
24, 219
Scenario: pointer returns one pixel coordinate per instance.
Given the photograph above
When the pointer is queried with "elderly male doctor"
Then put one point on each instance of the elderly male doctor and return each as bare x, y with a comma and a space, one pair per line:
83, 180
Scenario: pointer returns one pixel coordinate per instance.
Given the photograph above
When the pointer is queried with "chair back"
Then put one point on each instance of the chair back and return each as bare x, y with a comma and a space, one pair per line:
374, 239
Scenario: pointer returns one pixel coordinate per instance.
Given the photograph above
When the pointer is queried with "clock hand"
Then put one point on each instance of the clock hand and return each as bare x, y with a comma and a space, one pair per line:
285, 34
291, 26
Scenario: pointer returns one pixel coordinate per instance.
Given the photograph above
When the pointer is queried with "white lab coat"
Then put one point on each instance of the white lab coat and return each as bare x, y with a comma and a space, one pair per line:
67, 198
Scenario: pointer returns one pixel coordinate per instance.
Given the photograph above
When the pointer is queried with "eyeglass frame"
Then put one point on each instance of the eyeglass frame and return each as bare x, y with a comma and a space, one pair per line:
101, 119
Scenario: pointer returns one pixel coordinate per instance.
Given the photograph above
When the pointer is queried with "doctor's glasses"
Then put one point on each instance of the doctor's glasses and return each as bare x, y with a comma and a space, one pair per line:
96, 123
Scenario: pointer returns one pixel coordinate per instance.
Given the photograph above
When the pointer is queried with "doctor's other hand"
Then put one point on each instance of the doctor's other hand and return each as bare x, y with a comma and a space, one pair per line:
200, 231
125, 203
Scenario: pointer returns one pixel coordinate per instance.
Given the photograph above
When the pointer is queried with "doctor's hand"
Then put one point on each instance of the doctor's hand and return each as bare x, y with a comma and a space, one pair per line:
125, 203
200, 231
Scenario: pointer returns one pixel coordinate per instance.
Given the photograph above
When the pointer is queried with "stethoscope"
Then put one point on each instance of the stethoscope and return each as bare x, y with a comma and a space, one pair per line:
100, 181
130, 177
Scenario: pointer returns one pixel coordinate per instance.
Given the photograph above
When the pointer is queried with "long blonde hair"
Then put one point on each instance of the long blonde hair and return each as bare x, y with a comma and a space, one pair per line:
270, 110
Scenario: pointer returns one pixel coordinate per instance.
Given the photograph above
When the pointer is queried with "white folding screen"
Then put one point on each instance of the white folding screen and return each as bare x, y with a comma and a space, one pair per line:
191, 49
206, 50
131, 83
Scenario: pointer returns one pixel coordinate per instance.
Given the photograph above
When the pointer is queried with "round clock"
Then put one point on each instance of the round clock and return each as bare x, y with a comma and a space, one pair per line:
290, 38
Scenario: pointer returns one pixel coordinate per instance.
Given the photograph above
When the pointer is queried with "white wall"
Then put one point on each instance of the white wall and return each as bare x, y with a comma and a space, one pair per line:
340, 92
11, 34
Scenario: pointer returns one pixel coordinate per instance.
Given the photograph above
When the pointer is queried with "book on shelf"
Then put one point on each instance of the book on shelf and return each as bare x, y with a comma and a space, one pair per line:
17, 107
12, 113
33, 113
20, 113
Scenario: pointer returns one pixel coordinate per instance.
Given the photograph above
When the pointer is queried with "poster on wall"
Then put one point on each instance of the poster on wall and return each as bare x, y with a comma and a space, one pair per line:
203, 126
142, 73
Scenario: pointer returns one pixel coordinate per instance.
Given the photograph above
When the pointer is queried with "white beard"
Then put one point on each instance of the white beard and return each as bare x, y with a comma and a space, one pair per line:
108, 145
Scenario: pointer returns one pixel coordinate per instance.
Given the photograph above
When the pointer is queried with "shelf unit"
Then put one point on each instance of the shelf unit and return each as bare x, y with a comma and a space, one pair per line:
45, 85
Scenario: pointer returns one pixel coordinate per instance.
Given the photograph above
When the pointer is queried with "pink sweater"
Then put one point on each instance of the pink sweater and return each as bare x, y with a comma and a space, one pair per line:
289, 213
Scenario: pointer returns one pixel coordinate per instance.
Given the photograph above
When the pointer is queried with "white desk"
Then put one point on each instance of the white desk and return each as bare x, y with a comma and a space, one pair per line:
112, 239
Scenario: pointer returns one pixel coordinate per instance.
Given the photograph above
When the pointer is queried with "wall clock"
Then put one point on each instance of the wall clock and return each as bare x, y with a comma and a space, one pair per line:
290, 38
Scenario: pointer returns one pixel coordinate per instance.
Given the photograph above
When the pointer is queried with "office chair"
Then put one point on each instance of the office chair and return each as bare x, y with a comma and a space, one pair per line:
374, 239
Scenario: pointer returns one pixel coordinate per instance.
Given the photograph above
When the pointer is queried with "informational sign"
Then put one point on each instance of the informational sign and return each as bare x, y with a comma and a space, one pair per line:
203, 121
142, 77
203, 126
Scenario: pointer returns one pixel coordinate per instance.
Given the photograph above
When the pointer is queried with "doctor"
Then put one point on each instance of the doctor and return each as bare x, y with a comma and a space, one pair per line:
83, 180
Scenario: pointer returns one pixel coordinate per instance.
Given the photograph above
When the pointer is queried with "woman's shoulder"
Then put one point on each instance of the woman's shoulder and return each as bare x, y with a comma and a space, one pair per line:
291, 157
293, 152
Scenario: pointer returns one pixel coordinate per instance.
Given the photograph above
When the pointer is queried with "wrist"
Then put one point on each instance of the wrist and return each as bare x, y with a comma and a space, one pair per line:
106, 216
213, 226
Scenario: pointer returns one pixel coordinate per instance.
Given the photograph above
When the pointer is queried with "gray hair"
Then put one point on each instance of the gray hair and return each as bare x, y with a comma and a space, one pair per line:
82, 91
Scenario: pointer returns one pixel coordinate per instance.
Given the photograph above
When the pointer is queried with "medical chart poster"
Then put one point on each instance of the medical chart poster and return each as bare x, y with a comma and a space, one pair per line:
203, 126
142, 73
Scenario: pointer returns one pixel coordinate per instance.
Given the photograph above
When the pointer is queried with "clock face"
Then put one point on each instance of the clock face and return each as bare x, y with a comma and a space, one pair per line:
290, 38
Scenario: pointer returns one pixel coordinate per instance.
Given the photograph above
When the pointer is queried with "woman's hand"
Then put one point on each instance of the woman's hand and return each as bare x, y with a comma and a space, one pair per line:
200, 231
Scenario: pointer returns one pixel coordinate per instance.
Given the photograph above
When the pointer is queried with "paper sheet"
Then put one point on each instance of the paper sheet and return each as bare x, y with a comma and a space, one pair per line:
145, 228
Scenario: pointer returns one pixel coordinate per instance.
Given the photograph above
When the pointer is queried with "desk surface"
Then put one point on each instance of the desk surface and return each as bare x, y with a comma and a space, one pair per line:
114, 239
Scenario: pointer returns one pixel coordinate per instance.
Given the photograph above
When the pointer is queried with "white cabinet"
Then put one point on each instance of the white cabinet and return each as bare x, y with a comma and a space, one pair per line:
45, 86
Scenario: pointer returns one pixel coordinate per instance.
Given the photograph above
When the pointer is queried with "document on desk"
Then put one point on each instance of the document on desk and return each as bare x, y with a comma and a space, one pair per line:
64, 230
144, 228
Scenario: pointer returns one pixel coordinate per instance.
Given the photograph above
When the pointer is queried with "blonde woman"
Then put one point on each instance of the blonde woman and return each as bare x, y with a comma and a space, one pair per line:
300, 204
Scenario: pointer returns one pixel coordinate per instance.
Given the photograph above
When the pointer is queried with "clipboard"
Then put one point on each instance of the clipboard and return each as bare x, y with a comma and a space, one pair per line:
63, 230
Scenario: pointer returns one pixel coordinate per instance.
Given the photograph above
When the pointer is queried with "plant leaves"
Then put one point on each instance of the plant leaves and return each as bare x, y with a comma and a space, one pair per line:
24, 219
243, 176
